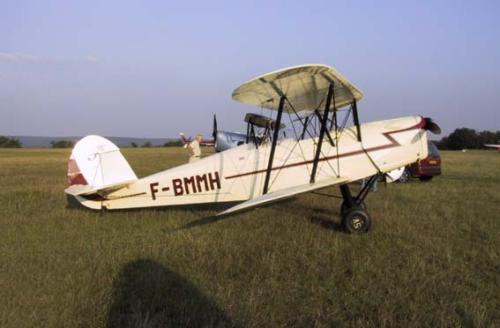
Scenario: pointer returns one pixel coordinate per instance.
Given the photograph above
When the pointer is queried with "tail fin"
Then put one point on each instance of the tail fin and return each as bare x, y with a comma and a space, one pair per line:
96, 163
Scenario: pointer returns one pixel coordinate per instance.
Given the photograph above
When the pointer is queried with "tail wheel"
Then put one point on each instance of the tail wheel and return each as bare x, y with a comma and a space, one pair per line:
356, 220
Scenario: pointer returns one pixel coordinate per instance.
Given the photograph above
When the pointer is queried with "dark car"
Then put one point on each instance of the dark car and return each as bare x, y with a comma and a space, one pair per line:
424, 169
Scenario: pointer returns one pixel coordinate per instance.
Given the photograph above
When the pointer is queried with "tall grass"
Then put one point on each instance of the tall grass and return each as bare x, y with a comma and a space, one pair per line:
432, 259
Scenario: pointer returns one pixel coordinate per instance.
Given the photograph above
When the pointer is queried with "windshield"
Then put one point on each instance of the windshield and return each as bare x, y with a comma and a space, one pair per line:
433, 150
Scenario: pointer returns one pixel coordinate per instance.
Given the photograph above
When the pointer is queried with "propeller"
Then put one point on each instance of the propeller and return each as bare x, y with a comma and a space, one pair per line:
214, 130
430, 125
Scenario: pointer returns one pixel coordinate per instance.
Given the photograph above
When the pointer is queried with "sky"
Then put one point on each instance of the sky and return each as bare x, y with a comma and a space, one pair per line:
156, 68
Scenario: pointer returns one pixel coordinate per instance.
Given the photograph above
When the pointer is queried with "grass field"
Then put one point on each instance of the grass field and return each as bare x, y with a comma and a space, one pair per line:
432, 259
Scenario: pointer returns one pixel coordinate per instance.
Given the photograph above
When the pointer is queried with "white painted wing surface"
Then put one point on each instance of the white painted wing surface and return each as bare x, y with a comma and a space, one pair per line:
305, 86
282, 194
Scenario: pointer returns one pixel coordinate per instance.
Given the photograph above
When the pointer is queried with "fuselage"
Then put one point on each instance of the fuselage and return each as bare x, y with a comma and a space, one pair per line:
227, 140
238, 174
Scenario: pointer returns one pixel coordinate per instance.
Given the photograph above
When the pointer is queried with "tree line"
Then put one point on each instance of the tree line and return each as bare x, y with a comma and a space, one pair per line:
465, 138
11, 142
148, 144
6, 142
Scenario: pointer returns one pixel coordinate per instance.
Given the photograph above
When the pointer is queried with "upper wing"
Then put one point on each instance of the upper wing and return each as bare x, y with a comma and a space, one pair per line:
282, 194
304, 86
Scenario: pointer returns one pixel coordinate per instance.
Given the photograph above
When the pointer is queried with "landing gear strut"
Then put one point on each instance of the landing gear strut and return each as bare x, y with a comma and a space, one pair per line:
355, 218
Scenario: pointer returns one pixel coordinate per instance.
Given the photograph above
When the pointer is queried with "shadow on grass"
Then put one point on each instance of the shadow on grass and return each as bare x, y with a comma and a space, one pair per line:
325, 218
326, 223
318, 216
147, 294
201, 222
213, 219
75, 205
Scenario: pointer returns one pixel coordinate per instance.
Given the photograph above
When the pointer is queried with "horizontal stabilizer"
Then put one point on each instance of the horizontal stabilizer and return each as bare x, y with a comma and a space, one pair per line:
282, 194
81, 190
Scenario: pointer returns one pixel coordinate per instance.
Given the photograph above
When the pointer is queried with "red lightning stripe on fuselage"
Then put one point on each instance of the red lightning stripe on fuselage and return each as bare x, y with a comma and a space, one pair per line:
388, 135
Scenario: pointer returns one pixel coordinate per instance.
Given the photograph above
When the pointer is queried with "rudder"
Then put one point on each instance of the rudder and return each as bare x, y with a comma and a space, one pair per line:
97, 163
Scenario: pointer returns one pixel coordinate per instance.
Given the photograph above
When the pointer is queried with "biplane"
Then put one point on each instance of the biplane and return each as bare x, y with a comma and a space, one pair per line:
318, 151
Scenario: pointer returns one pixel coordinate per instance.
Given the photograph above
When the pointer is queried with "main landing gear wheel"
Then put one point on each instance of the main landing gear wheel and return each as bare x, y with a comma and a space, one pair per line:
344, 207
356, 220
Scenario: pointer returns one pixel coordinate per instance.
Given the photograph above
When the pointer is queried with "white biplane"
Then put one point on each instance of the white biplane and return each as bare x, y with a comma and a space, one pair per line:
268, 167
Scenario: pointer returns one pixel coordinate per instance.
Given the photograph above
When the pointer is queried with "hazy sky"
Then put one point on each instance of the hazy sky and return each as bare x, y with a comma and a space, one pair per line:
155, 68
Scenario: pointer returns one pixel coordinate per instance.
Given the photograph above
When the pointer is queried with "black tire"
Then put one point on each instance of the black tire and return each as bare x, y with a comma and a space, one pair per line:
344, 208
405, 177
425, 178
356, 221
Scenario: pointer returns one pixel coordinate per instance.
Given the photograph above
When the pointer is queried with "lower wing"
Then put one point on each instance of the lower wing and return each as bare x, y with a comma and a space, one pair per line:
282, 194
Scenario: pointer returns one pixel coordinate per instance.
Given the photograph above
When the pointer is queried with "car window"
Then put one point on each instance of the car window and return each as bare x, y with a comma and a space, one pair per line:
433, 150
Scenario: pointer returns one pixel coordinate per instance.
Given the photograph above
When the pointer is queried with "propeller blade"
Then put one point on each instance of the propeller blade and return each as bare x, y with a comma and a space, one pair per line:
214, 130
430, 125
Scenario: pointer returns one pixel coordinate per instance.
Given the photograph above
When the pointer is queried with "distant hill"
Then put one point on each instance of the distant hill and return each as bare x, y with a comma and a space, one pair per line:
44, 142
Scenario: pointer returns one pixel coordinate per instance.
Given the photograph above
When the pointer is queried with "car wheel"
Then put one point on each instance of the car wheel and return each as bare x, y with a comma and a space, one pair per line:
405, 177
425, 178
356, 220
